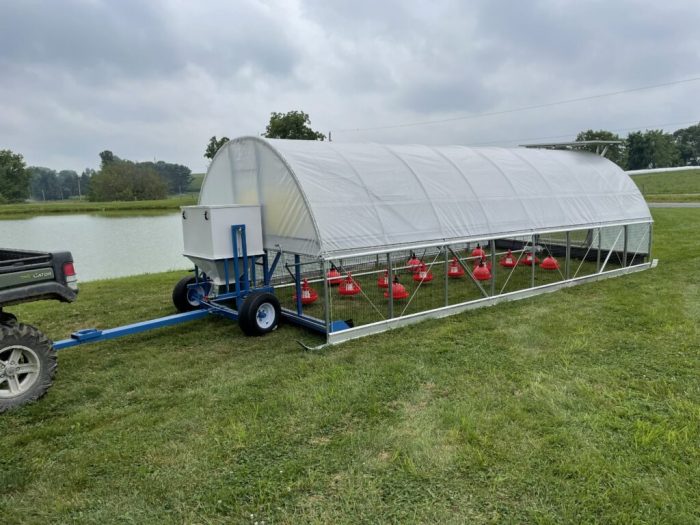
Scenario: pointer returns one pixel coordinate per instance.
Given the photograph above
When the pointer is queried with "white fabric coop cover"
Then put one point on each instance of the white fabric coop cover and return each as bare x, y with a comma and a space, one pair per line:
332, 199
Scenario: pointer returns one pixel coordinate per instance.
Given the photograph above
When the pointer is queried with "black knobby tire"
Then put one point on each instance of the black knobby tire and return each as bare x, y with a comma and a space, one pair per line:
260, 313
27, 365
182, 299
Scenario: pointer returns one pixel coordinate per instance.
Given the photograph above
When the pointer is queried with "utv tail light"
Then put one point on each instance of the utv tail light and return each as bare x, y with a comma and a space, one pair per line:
71, 278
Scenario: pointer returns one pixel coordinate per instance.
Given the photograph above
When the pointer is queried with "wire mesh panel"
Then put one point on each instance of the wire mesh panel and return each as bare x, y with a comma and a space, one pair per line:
311, 289
612, 248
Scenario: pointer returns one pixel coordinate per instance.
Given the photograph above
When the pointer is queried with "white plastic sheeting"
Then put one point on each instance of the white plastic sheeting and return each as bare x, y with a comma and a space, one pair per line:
335, 199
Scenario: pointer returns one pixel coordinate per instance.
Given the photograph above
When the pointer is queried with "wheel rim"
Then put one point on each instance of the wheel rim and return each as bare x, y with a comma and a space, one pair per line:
19, 370
195, 294
265, 316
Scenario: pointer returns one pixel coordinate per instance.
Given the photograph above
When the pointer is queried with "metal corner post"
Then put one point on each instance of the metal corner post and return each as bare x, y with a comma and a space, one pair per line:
390, 282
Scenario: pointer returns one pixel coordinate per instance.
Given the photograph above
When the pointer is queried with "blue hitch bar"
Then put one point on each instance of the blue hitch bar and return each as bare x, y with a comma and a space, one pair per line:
92, 335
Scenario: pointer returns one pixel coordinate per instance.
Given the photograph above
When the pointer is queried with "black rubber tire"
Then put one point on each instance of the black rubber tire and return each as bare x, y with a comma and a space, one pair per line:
24, 335
180, 295
255, 303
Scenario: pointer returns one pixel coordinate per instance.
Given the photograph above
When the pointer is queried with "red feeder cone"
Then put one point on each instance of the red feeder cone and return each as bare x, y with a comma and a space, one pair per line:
478, 252
383, 280
482, 273
308, 294
334, 277
413, 263
486, 262
549, 263
528, 259
423, 275
455, 269
398, 289
509, 261
349, 286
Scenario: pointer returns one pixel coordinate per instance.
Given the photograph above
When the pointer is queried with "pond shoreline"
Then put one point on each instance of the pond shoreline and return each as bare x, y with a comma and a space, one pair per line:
33, 209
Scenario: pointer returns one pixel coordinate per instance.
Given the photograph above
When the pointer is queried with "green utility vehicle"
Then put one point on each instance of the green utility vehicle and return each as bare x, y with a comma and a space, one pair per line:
27, 356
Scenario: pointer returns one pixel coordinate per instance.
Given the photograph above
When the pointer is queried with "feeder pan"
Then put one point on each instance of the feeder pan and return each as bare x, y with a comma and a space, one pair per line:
349, 286
549, 263
528, 259
414, 263
423, 275
478, 252
482, 273
308, 294
509, 261
455, 269
334, 276
398, 290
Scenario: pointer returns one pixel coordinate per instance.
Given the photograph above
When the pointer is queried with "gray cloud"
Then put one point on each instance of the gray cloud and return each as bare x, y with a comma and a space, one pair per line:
156, 79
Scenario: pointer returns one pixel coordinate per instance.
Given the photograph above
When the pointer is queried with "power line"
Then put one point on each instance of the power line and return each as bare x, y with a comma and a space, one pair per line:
649, 126
523, 108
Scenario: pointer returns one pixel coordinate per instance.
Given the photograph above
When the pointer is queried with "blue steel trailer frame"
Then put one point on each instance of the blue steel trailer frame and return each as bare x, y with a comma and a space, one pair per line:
236, 291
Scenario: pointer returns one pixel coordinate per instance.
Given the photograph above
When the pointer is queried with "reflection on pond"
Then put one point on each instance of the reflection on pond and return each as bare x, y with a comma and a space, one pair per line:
111, 244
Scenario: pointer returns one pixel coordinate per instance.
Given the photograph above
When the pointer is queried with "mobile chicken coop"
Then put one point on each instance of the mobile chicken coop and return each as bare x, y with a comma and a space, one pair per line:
357, 238
350, 239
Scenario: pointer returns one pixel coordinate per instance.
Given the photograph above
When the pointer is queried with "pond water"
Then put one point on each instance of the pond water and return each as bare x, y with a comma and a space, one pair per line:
103, 247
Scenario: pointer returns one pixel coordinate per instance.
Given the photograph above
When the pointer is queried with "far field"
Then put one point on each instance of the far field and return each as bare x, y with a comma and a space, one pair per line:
674, 186
18, 211
581, 406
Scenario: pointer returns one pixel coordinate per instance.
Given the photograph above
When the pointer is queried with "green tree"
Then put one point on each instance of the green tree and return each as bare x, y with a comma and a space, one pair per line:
651, 149
292, 125
123, 180
616, 152
688, 142
44, 184
68, 183
14, 177
214, 146
177, 176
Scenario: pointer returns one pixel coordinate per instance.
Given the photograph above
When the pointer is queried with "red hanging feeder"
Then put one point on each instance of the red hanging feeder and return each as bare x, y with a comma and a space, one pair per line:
481, 272
528, 259
383, 280
414, 263
455, 269
478, 252
308, 294
486, 262
349, 286
398, 290
423, 275
549, 263
334, 277
509, 261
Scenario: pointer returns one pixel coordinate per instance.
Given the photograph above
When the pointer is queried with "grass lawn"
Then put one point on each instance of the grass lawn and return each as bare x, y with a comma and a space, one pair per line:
581, 406
16, 211
674, 186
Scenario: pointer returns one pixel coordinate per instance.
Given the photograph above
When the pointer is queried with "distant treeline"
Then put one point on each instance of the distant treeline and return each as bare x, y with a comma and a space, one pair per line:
651, 148
117, 180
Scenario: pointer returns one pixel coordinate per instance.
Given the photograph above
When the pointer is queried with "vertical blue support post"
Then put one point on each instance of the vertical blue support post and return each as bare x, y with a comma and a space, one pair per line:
244, 249
266, 267
237, 284
297, 283
228, 287
253, 262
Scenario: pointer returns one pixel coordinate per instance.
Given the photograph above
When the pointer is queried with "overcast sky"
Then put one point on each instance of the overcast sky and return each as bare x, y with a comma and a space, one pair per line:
157, 78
